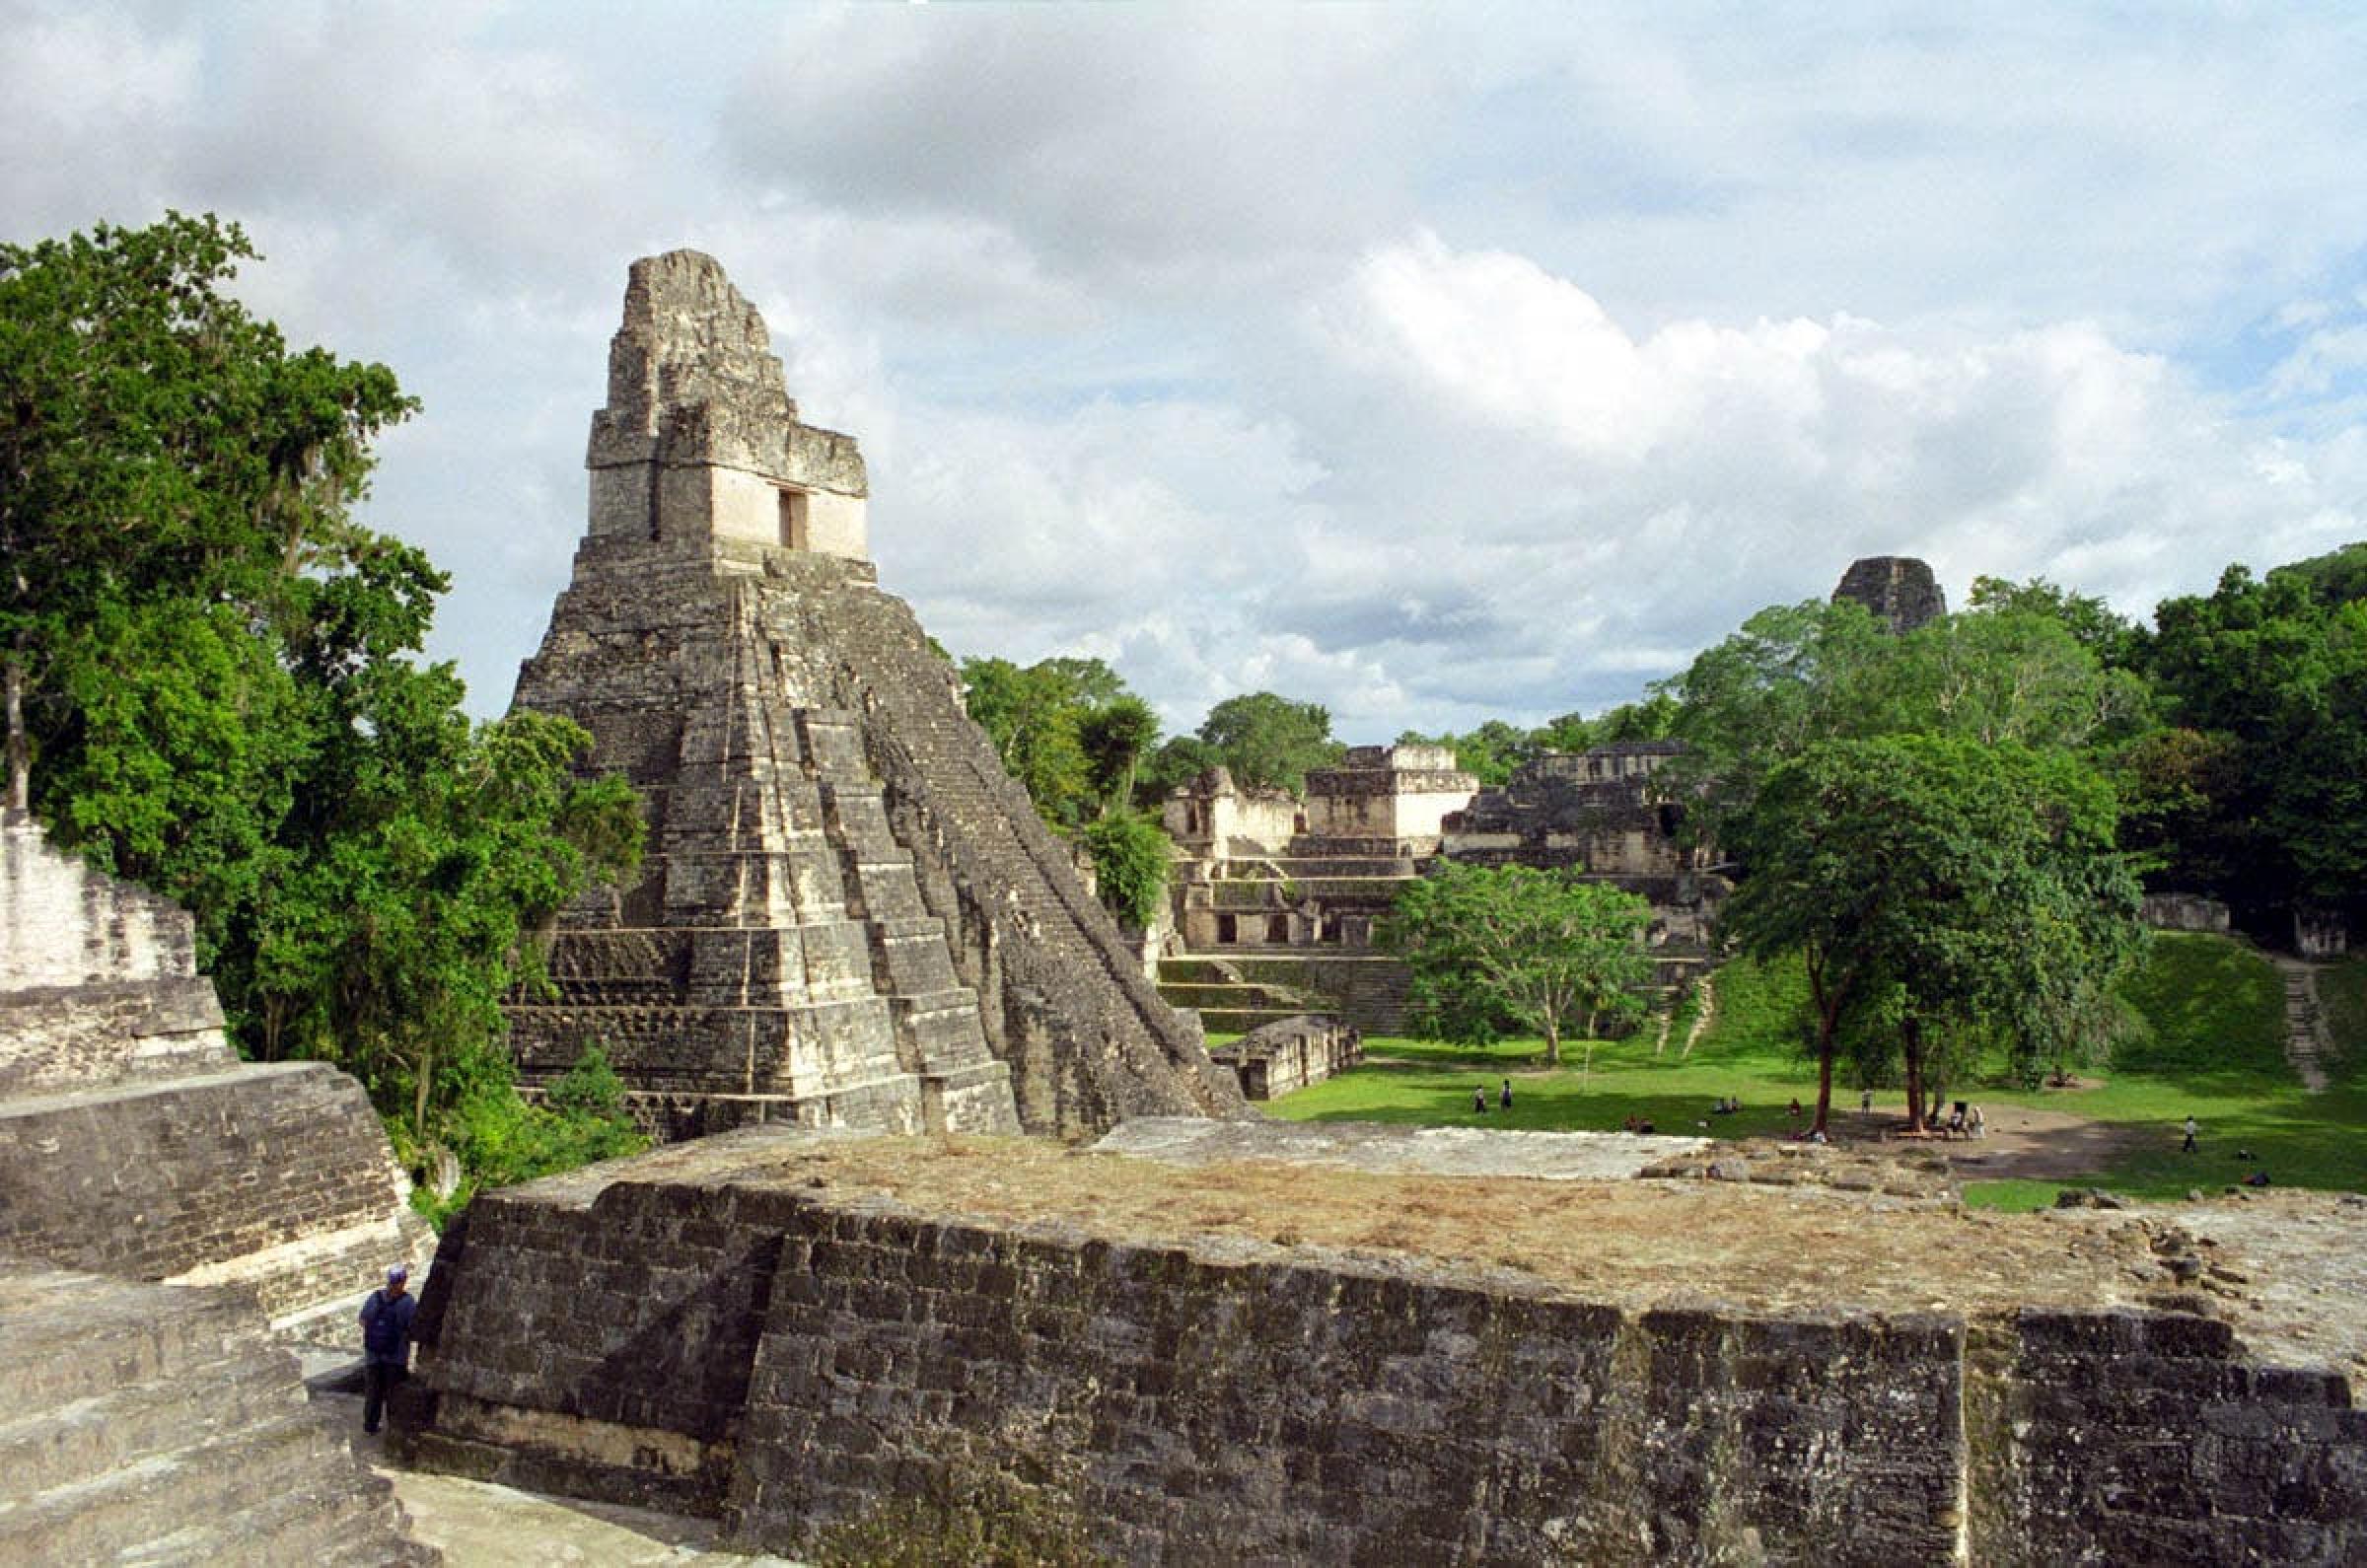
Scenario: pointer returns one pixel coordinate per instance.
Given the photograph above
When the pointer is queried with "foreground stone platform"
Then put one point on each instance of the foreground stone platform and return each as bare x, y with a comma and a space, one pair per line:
1282, 1359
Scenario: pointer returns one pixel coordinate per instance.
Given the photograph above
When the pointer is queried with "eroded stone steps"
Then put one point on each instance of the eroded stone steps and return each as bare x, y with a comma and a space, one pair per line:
61, 1340
305, 1529
83, 1436
2306, 1044
220, 1478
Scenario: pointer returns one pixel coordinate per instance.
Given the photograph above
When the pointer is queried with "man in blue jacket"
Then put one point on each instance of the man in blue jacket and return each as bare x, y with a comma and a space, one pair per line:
385, 1342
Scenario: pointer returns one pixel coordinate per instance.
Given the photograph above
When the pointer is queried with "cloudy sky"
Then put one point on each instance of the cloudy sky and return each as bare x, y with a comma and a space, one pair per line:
1433, 363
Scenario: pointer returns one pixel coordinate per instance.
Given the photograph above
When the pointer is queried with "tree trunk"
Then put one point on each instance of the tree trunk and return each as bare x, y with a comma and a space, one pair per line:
1910, 1037
1829, 1026
1824, 1077
419, 1092
20, 751
1553, 1044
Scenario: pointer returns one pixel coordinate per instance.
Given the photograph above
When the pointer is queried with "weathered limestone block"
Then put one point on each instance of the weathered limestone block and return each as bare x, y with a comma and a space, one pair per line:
1290, 1053
2184, 911
98, 977
849, 916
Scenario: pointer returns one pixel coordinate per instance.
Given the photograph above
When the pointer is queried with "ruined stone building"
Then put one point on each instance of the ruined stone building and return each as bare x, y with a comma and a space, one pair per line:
848, 915
1275, 899
1899, 590
1598, 812
171, 1222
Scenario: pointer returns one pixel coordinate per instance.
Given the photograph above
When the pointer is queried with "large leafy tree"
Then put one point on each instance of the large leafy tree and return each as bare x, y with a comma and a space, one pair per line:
1032, 715
2004, 674
2110, 636
1938, 883
1495, 950
213, 673
163, 458
1270, 741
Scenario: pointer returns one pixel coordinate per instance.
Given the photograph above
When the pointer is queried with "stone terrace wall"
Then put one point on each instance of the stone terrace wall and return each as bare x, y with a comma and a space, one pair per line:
1242, 1404
2133, 1437
133, 1141
701, 1327
595, 1339
270, 1175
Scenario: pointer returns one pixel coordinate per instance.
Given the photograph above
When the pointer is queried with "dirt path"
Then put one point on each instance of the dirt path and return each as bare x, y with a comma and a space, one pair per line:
2041, 1145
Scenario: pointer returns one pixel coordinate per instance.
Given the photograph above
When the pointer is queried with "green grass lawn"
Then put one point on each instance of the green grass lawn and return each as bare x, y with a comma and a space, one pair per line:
2215, 1050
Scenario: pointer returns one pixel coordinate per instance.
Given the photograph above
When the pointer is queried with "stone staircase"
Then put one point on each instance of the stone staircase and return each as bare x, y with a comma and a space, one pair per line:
154, 1424
2307, 1044
1226, 1002
1027, 929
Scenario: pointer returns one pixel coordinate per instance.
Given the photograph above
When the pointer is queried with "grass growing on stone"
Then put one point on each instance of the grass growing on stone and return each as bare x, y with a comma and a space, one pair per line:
2342, 992
2215, 1051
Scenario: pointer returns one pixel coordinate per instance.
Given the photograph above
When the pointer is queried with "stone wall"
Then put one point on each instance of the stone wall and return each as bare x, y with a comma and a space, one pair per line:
2184, 911
1211, 817
275, 1175
715, 1328
1290, 1053
1264, 1407
2149, 1437
97, 977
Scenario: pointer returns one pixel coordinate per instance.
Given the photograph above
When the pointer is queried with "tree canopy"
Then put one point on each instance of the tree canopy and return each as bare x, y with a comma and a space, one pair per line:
214, 678
2266, 803
1076, 740
1270, 741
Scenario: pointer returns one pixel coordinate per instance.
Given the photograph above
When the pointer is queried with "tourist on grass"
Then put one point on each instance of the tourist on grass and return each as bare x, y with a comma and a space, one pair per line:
2189, 1146
1506, 1099
386, 1343
1480, 1100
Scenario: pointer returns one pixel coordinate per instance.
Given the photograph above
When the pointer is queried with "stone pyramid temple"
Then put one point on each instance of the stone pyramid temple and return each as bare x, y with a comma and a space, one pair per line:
848, 914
